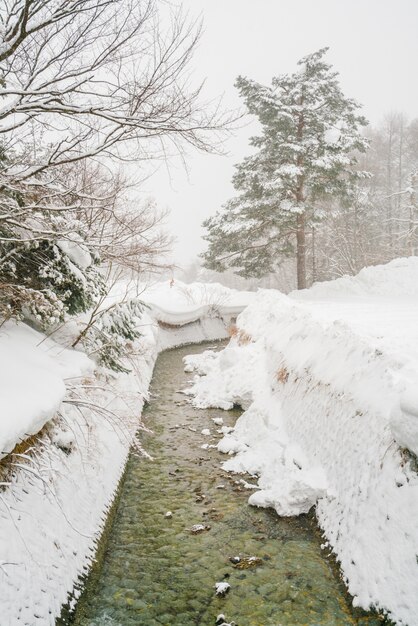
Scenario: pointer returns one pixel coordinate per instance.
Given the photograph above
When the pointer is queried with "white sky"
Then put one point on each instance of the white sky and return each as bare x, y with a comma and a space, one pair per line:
373, 44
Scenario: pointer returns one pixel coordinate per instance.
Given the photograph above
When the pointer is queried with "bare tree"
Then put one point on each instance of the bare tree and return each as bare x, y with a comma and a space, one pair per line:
122, 230
381, 221
91, 79
84, 83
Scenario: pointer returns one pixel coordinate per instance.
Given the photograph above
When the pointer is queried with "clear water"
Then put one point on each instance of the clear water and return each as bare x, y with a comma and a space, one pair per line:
154, 571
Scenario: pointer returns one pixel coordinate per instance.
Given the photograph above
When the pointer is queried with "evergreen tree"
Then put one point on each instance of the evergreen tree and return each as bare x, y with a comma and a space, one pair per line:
44, 276
111, 337
304, 156
41, 282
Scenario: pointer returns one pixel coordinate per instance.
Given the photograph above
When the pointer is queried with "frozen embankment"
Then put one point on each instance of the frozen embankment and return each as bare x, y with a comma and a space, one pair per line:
55, 500
329, 380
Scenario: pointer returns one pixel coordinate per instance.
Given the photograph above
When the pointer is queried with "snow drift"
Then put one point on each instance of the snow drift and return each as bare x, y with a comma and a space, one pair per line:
328, 377
32, 381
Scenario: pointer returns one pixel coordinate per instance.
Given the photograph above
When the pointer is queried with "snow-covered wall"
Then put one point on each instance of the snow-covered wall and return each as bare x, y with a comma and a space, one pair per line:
329, 378
54, 506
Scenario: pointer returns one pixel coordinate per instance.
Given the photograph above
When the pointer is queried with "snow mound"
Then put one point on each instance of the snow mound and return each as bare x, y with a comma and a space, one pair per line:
32, 374
177, 303
177, 296
397, 278
330, 376
234, 384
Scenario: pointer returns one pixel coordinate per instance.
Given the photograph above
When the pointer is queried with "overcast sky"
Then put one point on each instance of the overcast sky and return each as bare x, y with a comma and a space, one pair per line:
373, 45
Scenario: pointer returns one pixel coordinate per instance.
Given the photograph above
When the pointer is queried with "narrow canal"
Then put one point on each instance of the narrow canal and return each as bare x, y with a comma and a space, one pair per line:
154, 570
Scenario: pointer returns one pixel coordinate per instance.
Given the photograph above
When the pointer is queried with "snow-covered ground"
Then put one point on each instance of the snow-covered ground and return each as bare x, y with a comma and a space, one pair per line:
328, 380
328, 377
53, 506
176, 303
32, 373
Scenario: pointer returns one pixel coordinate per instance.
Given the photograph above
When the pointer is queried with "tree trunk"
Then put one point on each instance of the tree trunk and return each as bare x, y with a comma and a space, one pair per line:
301, 251
301, 220
313, 256
411, 243
389, 186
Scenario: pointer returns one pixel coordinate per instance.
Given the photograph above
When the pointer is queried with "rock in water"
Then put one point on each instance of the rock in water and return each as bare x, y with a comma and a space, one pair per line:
246, 562
198, 528
221, 621
222, 588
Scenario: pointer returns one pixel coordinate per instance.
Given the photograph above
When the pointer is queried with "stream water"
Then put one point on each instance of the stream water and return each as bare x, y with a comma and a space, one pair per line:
153, 570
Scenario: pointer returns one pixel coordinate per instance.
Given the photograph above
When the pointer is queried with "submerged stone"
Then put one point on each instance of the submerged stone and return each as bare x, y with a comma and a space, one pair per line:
196, 529
246, 562
222, 589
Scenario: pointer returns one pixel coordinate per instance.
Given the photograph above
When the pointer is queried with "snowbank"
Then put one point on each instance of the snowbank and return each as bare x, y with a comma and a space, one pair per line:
329, 378
32, 373
180, 297
397, 278
175, 303
54, 508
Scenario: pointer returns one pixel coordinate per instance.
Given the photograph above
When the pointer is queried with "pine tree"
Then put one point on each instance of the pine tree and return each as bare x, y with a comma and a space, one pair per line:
110, 339
304, 156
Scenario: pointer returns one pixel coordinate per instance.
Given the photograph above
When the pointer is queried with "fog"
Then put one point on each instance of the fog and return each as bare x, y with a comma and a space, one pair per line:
373, 46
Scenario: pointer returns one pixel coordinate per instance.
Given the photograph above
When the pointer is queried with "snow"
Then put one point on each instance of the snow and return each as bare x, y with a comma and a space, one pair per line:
381, 306
327, 378
332, 135
54, 508
397, 278
222, 588
76, 251
32, 374
177, 304
179, 296
191, 362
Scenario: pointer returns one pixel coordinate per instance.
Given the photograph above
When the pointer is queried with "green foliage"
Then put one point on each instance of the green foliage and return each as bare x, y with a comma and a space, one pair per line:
305, 155
43, 267
110, 338
43, 273
41, 306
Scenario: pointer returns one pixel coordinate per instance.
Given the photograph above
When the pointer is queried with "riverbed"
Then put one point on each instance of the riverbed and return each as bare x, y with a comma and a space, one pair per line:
182, 524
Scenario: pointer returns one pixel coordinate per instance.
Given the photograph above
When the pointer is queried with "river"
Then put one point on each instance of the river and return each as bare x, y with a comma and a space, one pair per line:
152, 569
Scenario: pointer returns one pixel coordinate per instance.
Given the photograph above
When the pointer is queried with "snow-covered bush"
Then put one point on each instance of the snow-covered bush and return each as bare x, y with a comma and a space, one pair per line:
110, 338
41, 306
38, 275
46, 266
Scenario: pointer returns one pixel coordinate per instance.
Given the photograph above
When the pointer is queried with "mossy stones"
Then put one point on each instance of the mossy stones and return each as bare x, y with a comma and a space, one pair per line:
197, 529
246, 562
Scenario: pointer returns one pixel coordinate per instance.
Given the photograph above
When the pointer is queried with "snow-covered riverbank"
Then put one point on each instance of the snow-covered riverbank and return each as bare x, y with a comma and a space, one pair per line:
328, 377
53, 508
